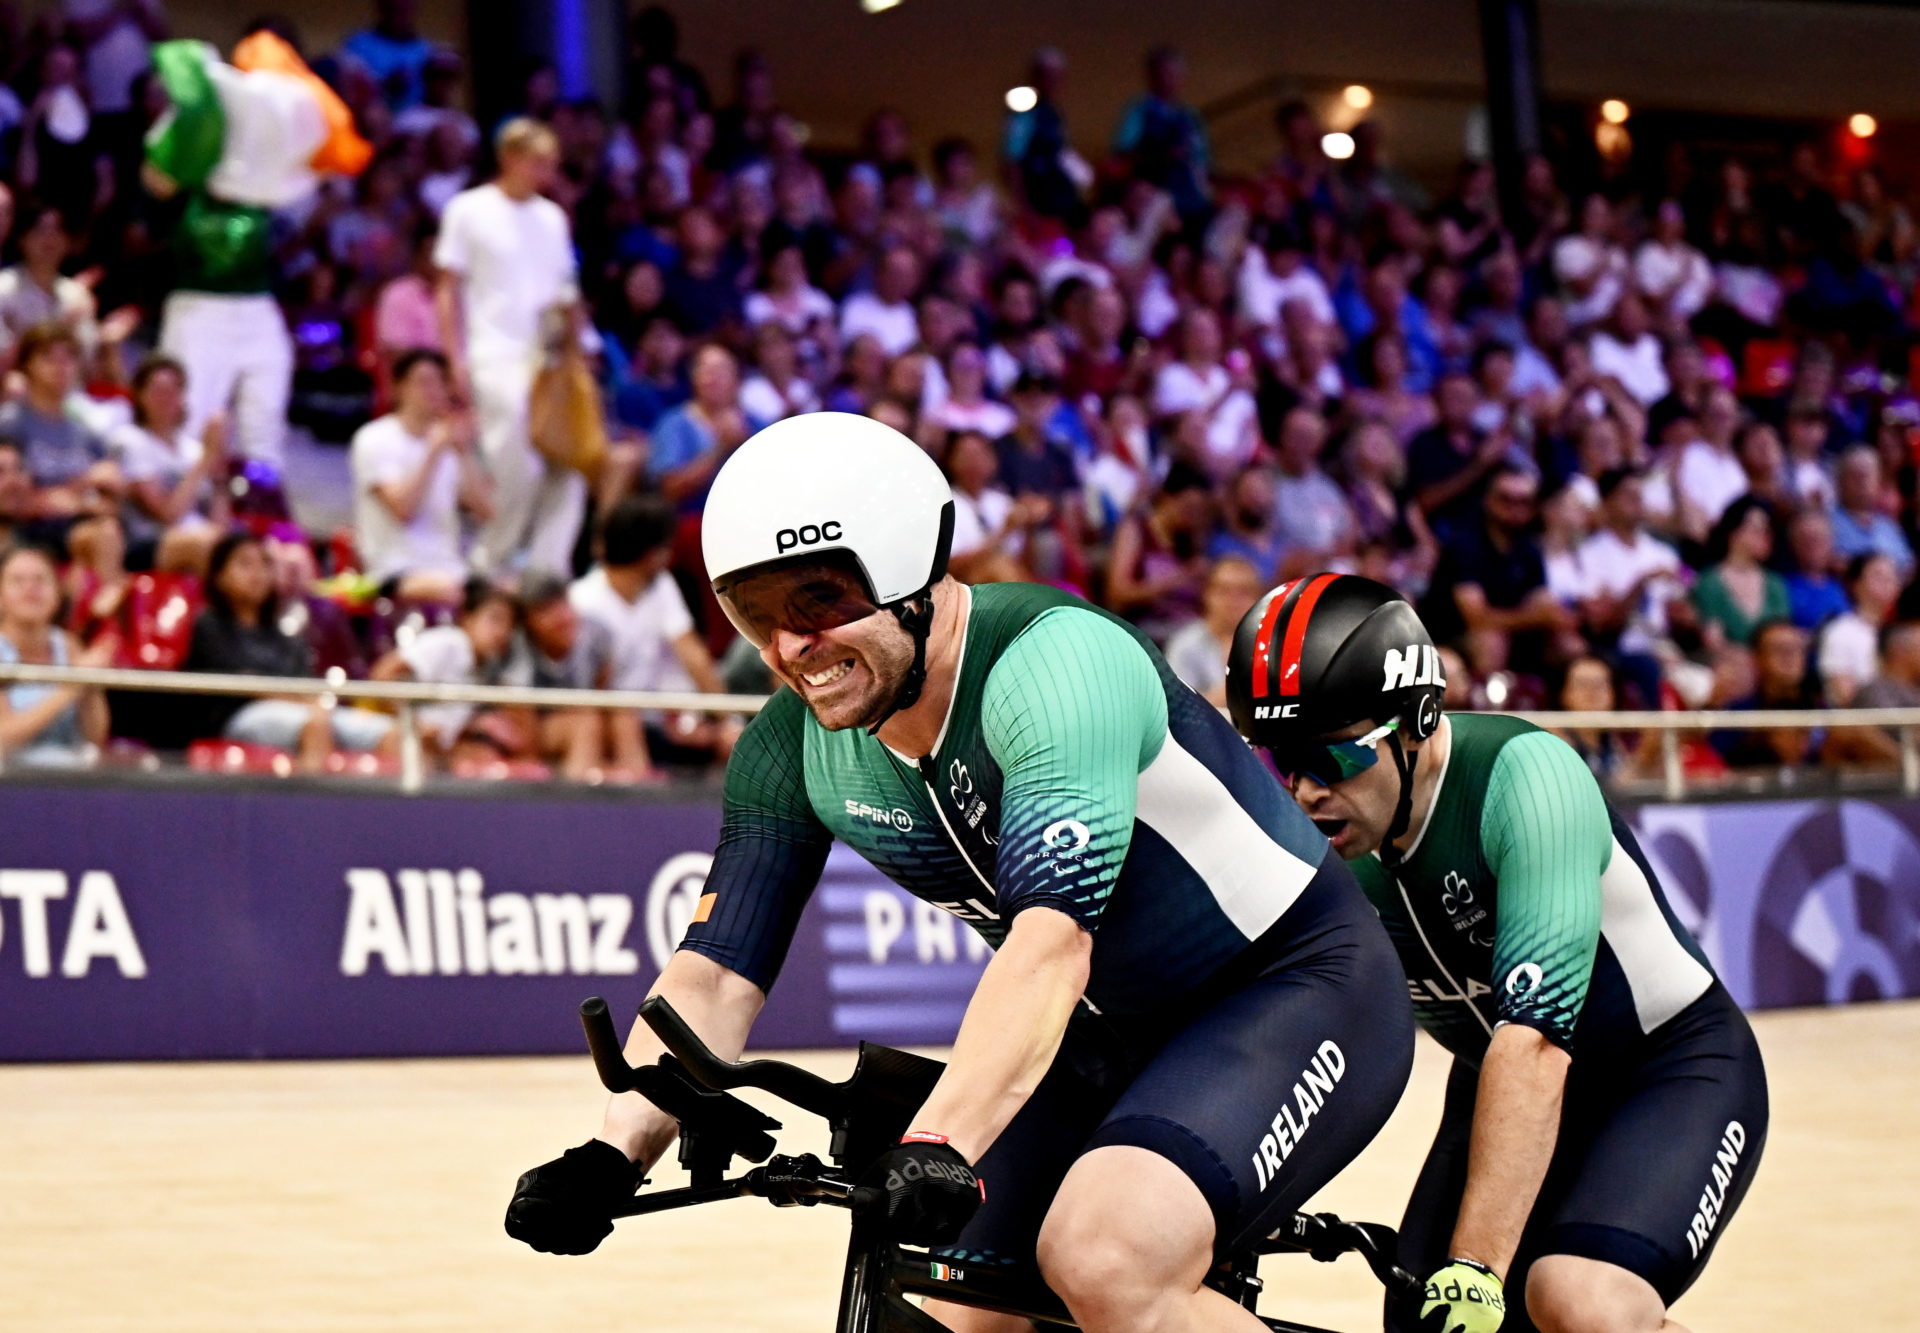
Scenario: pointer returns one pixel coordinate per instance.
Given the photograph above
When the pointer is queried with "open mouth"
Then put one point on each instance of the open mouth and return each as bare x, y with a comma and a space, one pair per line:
1331, 828
826, 676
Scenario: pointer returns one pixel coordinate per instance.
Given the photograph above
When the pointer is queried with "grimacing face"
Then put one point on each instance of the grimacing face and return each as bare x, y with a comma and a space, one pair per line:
847, 675
1353, 814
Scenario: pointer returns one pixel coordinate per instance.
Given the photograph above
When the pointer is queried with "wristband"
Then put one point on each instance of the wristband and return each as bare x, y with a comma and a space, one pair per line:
922, 1136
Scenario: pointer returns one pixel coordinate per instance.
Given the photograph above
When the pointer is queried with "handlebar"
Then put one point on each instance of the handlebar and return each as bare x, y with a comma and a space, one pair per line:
790, 1083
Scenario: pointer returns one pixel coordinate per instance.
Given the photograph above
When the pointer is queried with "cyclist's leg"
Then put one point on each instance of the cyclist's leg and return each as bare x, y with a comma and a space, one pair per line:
1022, 1171
1660, 1175
1242, 1115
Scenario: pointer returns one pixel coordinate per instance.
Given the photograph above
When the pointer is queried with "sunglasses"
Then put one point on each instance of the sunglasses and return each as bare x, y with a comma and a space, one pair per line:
1333, 761
805, 598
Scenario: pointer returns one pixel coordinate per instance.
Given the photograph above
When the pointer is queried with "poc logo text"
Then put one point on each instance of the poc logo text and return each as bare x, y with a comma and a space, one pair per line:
808, 534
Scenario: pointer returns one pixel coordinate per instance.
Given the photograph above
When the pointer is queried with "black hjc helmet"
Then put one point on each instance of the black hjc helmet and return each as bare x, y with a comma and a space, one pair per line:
1321, 653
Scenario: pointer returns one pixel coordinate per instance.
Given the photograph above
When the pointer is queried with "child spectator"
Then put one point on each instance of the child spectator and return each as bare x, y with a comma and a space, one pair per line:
471, 651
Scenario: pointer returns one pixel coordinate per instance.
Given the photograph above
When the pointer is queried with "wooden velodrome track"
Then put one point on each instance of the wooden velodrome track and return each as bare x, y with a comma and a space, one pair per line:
321, 1196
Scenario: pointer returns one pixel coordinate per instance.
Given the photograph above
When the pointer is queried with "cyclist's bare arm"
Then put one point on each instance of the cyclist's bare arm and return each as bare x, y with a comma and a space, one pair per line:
1011, 1031
717, 1003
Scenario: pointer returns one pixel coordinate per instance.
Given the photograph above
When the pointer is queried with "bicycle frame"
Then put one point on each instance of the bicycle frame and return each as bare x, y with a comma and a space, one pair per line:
867, 1111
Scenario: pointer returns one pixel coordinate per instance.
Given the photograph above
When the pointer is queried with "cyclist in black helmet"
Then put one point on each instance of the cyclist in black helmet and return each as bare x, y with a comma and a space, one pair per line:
1607, 1106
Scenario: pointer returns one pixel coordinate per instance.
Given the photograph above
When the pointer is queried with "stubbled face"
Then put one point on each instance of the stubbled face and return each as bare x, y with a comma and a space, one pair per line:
1353, 814
847, 676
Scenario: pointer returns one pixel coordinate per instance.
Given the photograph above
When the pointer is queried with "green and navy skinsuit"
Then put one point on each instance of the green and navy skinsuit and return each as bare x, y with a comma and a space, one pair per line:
1244, 1016
1527, 900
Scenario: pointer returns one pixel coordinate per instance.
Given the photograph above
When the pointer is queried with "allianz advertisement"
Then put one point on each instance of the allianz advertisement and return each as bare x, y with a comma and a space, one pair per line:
221, 923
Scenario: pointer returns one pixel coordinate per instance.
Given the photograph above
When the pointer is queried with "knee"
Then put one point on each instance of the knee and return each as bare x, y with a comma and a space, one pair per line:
1095, 1271
1570, 1295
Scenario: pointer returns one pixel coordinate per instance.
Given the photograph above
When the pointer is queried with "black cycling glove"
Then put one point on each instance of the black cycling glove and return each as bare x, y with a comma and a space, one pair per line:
566, 1206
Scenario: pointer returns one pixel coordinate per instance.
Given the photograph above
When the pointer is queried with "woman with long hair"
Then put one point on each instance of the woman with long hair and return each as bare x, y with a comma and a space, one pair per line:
50, 726
239, 633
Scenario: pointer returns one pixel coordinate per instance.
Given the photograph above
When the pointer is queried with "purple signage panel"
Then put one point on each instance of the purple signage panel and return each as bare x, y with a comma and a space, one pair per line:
215, 923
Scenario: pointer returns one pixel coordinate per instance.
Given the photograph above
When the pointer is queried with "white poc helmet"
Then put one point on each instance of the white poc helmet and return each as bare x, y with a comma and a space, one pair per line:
828, 487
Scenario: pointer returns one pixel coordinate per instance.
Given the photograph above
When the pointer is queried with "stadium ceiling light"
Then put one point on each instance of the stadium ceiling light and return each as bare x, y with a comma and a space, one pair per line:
878, 6
1862, 125
1614, 111
1022, 98
1357, 95
1338, 145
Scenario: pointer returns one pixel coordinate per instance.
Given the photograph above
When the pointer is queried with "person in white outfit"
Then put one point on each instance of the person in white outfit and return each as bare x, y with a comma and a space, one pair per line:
506, 259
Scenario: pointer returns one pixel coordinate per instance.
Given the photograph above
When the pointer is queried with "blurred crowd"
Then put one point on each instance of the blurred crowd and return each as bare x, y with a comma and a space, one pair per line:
1647, 440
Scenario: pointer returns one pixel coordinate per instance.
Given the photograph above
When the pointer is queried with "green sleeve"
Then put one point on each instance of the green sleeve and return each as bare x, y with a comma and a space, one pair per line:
772, 848
1072, 711
1547, 838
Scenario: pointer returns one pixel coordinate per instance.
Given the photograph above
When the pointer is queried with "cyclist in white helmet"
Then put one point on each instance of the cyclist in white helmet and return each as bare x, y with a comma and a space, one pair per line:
1192, 1019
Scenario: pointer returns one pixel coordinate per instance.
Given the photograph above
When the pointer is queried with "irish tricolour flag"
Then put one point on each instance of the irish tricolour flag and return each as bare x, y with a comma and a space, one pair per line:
257, 131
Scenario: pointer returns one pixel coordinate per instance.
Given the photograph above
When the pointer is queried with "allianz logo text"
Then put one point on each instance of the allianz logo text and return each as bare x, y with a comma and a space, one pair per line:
418, 923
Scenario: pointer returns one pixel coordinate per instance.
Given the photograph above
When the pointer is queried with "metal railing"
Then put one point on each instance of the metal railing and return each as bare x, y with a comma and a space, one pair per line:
408, 696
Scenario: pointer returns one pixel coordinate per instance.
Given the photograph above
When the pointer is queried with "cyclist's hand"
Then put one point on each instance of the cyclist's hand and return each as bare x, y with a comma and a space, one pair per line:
928, 1189
566, 1206
1463, 1297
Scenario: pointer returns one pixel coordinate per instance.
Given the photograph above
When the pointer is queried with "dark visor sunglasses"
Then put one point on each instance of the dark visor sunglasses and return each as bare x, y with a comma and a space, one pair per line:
800, 598
1332, 761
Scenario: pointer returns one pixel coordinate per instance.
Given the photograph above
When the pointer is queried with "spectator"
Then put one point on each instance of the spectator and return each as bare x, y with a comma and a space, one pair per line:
414, 474
1311, 515
691, 441
1376, 473
71, 471
506, 261
115, 38
1590, 265
887, 310
1781, 680
1490, 590
1850, 642
561, 649
1198, 652
1249, 531
966, 406
1385, 397
177, 499
471, 651
990, 527
1047, 174
1808, 470
655, 646
1627, 350
1220, 390
776, 389
45, 726
967, 206
34, 291
1709, 476
1159, 560
1163, 141
787, 298
703, 290
1448, 463
1860, 525
239, 633
16, 494
437, 116
308, 615
404, 315
1764, 461
393, 52
1673, 277
1814, 595
1035, 458
1738, 592
1587, 686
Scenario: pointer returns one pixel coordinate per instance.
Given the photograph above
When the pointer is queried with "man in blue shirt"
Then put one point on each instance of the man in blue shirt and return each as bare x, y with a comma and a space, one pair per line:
393, 51
1860, 526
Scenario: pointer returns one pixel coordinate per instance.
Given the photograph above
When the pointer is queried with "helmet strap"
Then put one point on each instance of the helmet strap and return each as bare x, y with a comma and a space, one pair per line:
915, 615
1403, 807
